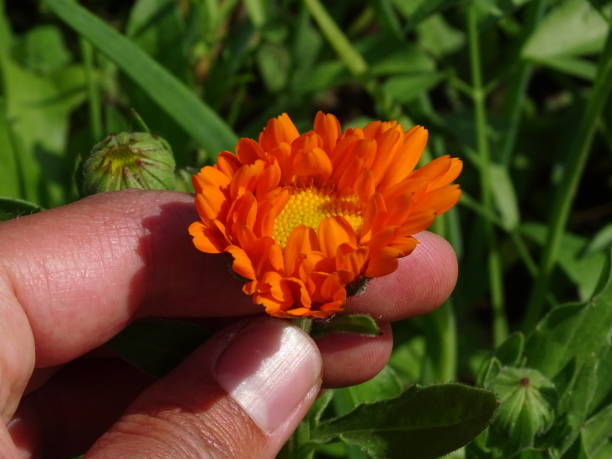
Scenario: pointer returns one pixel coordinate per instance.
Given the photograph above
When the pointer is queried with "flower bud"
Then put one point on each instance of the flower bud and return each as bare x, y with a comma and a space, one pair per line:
129, 160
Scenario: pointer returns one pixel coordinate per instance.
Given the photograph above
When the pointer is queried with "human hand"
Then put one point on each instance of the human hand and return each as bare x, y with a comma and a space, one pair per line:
73, 277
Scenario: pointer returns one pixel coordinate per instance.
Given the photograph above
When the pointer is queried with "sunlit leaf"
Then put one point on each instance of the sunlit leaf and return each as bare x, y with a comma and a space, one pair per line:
434, 420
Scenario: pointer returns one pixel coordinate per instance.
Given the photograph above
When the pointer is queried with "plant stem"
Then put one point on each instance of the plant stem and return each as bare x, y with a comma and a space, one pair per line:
93, 95
303, 323
518, 87
500, 325
564, 196
351, 58
441, 326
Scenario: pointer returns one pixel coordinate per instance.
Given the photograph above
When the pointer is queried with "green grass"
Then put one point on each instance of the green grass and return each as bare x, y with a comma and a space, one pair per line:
518, 89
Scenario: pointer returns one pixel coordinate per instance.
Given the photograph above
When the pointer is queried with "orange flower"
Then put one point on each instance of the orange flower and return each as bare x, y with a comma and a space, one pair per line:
305, 216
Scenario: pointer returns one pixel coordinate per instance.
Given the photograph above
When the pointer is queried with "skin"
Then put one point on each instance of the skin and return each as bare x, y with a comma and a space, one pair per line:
74, 276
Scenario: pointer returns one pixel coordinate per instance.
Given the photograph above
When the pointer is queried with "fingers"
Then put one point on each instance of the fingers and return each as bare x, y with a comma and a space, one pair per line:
64, 417
350, 359
83, 271
239, 395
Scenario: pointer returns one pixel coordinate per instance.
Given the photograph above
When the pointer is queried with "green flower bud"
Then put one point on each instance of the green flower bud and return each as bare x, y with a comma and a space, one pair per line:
129, 160
527, 401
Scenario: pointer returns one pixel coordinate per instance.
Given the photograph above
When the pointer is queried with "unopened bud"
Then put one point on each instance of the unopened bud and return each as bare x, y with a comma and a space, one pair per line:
129, 160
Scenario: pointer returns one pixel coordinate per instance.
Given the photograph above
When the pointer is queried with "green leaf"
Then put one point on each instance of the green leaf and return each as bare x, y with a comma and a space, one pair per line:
43, 50
38, 110
158, 346
416, 11
388, 18
438, 37
405, 88
572, 330
597, 432
572, 66
256, 11
157, 26
430, 421
576, 400
505, 196
319, 406
389, 59
407, 359
583, 269
385, 385
527, 400
13, 208
603, 392
510, 352
572, 28
9, 183
274, 63
362, 324
202, 123
601, 241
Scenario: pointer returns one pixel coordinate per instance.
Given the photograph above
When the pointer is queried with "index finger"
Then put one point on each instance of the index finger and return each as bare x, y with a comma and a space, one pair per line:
81, 272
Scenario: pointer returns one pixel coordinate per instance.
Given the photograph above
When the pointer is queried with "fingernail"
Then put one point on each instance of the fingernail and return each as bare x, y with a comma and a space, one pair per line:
268, 369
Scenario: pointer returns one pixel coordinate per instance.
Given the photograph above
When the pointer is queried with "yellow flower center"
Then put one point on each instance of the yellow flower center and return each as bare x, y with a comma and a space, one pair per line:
309, 206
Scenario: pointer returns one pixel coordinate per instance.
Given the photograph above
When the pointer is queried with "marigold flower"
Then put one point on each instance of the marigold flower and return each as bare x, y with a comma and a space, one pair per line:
306, 216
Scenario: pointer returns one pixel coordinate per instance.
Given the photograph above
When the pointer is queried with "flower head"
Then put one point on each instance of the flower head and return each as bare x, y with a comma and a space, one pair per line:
306, 216
129, 160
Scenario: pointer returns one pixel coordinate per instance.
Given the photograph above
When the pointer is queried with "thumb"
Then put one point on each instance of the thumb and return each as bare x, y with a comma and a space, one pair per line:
241, 394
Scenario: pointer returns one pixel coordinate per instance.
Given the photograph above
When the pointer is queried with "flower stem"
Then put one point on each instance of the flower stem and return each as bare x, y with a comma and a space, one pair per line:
303, 323
500, 325
572, 172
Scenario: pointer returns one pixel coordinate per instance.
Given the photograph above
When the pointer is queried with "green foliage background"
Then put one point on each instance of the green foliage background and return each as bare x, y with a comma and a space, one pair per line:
517, 88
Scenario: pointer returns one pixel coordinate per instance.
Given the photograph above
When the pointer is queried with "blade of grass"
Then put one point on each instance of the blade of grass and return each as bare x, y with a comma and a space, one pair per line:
351, 58
198, 120
518, 87
500, 324
565, 193
93, 93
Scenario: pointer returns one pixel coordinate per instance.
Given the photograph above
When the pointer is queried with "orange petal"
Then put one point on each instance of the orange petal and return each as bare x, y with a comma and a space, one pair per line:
328, 127
418, 221
334, 231
243, 210
454, 169
210, 176
207, 239
350, 262
268, 180
312, 163
381, 265
442, 199
249, 151
301, 241
242, 264
434, 169
245, 178
407, 157
364, 185
228, 163
388, 144
278, 130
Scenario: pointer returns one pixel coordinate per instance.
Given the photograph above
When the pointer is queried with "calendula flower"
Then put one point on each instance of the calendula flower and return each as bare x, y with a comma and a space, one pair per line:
307, 216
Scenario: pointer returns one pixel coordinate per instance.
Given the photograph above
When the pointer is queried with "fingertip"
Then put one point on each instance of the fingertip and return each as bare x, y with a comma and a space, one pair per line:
422, 282
350, 358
